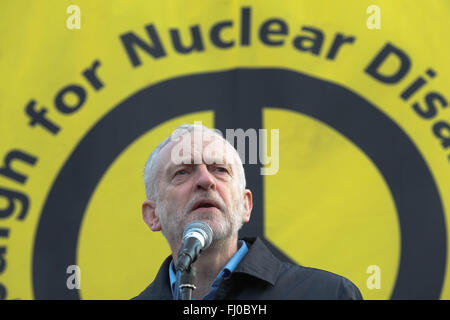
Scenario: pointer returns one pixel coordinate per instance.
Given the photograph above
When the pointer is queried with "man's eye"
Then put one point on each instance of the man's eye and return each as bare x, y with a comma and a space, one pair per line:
221, 170
181, 172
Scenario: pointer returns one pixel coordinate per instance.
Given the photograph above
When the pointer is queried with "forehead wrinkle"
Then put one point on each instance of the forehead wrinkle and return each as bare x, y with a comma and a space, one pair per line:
163, 161
223, 157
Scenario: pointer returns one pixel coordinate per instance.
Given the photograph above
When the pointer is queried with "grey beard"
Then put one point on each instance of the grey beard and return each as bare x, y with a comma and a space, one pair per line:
173, 226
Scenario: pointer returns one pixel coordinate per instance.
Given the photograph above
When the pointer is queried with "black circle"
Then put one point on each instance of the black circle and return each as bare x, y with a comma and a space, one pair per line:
242, 93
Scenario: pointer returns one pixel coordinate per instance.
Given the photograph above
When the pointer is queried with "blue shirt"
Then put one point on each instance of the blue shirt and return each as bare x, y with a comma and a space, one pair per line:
223, 274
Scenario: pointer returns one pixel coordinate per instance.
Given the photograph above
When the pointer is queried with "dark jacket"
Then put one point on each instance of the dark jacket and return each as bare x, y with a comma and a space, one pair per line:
260, 275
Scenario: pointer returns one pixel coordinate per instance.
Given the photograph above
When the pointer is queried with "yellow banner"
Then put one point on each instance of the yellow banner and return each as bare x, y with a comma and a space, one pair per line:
358, 91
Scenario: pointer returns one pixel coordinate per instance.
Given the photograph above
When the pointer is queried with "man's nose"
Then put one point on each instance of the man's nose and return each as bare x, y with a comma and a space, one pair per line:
205, 180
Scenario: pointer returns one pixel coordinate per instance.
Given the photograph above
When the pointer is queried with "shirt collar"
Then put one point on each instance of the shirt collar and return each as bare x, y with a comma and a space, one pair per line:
223, 274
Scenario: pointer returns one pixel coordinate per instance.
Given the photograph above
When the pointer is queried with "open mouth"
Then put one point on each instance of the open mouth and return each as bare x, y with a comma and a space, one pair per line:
205, 204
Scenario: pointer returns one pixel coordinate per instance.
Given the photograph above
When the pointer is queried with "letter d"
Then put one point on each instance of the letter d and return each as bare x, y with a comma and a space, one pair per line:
389, 50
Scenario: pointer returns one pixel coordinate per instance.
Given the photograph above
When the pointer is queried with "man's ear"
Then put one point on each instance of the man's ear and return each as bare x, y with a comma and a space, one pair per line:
248, 205
149, 215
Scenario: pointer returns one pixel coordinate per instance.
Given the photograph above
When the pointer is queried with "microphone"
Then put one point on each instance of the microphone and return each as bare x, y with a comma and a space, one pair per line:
197, 236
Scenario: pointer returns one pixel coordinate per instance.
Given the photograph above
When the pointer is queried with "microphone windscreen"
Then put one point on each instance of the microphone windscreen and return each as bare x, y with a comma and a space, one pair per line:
201, 227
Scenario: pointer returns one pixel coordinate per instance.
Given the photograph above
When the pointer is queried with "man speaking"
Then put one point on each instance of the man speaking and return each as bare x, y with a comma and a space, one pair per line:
195, 187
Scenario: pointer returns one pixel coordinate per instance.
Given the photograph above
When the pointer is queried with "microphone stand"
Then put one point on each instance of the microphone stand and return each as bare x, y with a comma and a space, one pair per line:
185, 283
197, 236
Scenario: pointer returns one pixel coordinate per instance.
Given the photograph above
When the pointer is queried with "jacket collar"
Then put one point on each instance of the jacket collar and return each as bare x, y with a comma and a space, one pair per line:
259, 262
159, 289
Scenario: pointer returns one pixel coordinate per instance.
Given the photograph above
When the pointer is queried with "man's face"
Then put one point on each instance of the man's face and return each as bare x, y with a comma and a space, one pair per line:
198, 180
